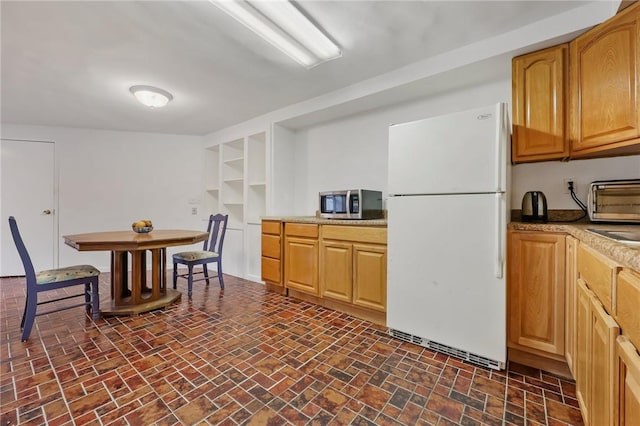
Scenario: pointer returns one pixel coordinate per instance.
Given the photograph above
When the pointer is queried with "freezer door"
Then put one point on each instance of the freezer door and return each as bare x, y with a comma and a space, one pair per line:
465, 152
445, 271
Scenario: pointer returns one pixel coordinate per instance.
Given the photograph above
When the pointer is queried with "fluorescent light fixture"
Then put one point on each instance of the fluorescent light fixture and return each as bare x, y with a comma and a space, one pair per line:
280, 23
151, 96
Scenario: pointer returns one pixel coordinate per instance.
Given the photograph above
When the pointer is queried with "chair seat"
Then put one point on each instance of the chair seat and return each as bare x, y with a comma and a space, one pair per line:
65, 274
190, 256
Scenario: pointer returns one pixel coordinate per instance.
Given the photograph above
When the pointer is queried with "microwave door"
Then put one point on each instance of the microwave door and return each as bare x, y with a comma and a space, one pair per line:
328, 204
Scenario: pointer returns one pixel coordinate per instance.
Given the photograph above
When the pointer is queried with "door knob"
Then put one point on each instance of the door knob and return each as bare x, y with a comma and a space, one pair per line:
46, 212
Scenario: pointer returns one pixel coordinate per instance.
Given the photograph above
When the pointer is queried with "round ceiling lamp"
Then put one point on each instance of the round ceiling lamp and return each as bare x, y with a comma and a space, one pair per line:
151, 96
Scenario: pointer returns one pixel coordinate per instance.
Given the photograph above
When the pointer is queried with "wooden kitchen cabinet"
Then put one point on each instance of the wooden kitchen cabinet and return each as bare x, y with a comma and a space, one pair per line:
600, 274
571, 277
370, 278
272, 251
628, 304
596, 334
535, 296
540, 92
604, 331
627, 383
582, 359
336, 275
353, 269
301, 257
605, 107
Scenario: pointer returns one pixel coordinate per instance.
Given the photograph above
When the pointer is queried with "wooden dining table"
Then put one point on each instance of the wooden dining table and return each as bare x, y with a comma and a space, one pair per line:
139, 297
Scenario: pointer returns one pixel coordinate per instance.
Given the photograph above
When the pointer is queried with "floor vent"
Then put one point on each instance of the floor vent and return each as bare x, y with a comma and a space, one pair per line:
449, 350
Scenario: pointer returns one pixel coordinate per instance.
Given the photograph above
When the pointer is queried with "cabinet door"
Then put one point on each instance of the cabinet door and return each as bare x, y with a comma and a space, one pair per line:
571, 275
370, 280
583, 348
604, 84
301, 264
540, 90
536, 292
336, 272
627, 383
271, 270
604, 331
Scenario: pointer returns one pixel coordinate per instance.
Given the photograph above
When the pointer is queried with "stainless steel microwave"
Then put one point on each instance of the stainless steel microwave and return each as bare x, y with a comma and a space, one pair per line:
351, 204
614, 201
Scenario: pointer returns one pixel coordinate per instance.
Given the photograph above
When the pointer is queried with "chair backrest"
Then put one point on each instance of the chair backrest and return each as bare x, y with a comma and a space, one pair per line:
29, 272
217, 228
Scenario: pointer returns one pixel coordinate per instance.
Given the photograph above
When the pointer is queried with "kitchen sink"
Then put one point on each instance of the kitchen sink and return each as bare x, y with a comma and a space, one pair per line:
623, 237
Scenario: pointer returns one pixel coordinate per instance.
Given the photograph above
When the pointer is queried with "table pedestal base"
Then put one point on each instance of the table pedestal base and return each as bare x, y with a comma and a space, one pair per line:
108, 306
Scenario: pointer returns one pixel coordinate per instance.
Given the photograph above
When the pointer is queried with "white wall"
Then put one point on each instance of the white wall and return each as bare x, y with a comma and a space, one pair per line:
108, 179
548, 177
352, 153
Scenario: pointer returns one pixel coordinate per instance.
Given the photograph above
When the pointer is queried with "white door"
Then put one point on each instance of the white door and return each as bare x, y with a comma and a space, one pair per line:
445, 270
27, 187
465, 152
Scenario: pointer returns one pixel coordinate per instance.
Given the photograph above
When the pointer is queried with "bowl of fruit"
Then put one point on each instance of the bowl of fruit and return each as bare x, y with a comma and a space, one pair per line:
142, 226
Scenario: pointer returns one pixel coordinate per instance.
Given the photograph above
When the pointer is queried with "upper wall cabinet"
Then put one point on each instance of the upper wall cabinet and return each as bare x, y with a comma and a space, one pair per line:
540, 90
583, 104
604, 113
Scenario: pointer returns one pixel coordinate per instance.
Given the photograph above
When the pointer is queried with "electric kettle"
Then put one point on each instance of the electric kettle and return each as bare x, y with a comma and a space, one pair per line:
534, 207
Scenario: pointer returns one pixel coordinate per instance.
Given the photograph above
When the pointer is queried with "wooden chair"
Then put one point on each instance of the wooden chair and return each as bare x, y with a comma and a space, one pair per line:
211, 253
54, 279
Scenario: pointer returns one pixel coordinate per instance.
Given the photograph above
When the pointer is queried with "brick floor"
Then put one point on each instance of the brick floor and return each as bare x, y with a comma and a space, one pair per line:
248, 356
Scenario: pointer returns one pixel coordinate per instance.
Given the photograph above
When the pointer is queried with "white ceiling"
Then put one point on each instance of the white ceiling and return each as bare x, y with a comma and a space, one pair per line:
71, 63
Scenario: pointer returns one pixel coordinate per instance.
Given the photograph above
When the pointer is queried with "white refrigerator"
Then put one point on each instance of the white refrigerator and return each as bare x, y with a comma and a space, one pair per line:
447, 216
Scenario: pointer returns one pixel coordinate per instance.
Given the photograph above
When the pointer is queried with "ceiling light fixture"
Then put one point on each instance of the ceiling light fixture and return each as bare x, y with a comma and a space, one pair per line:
151, 96
285, 27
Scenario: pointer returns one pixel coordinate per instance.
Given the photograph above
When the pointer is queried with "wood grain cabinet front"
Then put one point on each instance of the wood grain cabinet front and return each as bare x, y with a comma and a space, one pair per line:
605, 106
535, 294
540, 91
571, 278
604, 331
353, 269
301, 257
627, 383
272, 250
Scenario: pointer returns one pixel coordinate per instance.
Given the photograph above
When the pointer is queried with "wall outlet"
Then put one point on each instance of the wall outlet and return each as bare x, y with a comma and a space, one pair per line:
194, 210
565, 185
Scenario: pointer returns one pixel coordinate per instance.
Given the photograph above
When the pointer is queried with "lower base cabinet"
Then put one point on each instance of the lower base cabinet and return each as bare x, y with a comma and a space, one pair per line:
370, 276
596, 335
301, 257
604, 331
627, 383
536, 300
353, 269
582, 360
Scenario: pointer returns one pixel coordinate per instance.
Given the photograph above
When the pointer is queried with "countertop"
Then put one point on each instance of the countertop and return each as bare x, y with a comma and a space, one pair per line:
625, 255
322, 221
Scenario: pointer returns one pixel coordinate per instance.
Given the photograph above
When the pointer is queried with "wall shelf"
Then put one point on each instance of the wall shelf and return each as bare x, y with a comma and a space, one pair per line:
238, 160
237, 185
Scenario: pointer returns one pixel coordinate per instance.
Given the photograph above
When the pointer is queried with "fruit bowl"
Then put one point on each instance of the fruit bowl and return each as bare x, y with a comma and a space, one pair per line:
143, 229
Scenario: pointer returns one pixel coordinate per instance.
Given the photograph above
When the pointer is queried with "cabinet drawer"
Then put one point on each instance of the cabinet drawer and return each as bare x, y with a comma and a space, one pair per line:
599, 273
271, 270
270, 227
309, 230
271, 246
360, 234
628, 305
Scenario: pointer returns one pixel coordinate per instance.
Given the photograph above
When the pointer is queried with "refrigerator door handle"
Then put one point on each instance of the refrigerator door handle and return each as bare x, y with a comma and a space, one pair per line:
499, 265
500, 148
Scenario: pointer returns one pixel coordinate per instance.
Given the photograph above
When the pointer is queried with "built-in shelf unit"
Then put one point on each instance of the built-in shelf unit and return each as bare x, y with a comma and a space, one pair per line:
237, 185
